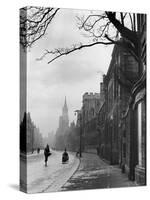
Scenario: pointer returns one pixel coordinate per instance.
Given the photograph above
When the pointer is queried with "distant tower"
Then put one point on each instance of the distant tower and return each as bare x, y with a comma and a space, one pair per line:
60, 142
65, 117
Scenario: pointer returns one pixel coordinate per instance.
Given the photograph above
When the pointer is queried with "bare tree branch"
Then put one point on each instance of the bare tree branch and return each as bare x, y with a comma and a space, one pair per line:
122, 18
65, 51
34, 22
99, 27
131, 21
104, 28
125, 32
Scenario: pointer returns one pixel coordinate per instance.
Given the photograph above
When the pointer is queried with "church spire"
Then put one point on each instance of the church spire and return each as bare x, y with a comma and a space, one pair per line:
65, 104
65, 108
64, 119
65, 113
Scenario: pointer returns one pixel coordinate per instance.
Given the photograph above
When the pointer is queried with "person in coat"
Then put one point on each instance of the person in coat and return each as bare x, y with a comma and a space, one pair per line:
65, 156
46, 154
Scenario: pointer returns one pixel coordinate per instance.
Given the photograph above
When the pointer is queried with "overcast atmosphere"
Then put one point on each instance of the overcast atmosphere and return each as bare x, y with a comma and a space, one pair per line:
69, 76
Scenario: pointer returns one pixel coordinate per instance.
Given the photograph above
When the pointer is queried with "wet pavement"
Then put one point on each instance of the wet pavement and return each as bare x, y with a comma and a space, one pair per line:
52, 177
94, 173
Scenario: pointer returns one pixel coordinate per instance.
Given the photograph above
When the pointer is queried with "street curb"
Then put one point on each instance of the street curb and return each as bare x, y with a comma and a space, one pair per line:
59, 189
72, 174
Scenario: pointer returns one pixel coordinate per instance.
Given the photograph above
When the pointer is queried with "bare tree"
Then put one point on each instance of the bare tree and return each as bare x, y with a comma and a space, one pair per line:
109, 25
34, 22
101, 28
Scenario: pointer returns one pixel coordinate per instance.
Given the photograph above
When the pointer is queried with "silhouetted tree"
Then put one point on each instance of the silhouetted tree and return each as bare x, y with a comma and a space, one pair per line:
104, 28
23, 135
33, 23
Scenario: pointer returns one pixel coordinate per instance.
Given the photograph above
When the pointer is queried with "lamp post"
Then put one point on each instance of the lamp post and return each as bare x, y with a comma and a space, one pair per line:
80, 124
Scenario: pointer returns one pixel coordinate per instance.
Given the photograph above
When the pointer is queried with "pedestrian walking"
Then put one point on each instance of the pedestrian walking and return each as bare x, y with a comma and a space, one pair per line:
38, 150
46, 154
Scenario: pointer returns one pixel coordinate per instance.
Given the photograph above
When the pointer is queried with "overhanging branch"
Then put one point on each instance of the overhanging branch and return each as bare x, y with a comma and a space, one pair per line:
65, 51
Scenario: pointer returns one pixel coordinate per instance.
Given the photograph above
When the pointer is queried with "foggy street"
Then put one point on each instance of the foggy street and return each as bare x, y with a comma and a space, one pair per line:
76, 175
92, 102
52, 177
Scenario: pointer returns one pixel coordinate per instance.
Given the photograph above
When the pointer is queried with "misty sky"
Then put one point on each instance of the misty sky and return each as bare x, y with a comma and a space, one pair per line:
70, 76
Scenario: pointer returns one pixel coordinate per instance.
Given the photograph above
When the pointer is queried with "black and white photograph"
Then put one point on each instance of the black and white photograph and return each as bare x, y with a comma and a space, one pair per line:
82, 99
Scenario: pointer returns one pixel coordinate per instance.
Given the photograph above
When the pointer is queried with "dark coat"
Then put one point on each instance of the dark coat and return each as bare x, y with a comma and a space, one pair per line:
47, 152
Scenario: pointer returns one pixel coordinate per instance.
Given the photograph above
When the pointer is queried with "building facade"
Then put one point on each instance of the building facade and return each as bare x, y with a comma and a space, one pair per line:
38, 139
30, 136
137, 112
122, 117
114, 143
90, 106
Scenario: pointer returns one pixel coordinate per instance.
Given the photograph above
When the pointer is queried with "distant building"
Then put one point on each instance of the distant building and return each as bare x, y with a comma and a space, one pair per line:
64, 119
101, 121
90, 107
30, 136
30, 133
38, 139
49, 139
63, 127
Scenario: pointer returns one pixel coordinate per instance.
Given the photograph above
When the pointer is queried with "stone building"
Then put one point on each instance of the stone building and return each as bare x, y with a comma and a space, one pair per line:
30, 133
37, 139
101, 121
73, 137
30, 136
23, 134
90, 106
34, 137
135, 115
116, 89
122, 116
140, 106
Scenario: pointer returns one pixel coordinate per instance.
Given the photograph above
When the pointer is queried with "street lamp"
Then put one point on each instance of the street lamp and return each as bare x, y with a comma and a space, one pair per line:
80, 124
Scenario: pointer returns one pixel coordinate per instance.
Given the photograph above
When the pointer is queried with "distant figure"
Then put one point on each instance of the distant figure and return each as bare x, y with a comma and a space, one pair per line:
38, 150
97, 150
46, 154
77, 153
65, 156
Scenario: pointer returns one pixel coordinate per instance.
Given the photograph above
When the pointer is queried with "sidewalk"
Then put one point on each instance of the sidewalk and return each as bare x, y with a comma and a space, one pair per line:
93, 173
